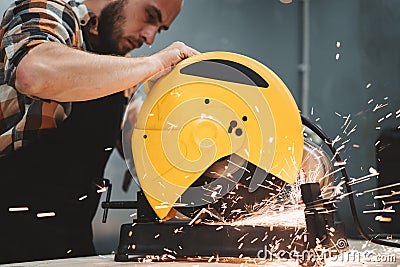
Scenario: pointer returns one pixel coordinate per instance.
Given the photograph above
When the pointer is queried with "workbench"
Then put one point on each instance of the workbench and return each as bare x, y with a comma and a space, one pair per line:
361, 253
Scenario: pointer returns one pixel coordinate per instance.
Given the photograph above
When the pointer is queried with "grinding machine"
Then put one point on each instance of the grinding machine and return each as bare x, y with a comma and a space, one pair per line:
218, 140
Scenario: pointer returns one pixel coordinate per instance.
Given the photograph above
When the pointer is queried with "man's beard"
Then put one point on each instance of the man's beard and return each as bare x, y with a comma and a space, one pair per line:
110, 29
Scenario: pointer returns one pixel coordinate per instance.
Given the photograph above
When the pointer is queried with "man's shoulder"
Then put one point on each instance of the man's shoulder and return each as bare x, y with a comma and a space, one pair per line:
21, 5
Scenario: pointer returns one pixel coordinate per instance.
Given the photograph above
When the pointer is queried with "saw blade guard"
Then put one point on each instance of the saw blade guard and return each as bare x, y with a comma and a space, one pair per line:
211, 107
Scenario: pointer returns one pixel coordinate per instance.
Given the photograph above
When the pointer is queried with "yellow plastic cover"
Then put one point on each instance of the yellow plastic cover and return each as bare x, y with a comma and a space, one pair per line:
210, 106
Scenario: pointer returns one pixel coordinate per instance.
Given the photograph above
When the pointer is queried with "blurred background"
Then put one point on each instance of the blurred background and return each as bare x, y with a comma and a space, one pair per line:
339, 58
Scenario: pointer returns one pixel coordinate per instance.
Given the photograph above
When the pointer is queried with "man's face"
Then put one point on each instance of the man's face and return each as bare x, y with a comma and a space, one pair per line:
127, 24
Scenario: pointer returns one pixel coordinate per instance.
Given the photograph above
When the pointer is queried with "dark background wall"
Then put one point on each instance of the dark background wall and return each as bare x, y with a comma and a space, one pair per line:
272, 33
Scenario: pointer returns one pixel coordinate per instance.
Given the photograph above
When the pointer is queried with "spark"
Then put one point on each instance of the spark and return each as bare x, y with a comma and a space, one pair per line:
167, 205
391, 202
357, 181
156, 236
46, 214
337, 56
108, 148
338, 114
341, 163
82, 197
240, 239
383, 210
347, 125
205, 116
265, 237
370, 101
174, 92
254, 240
256, 108
368, 85
356, 145
379, 106
338, 44
284, 209
373, 171
381, 218
337, 139
338, 189
241, 167
167, 250
382, 187
346, 121
18, 209
69, 251
345, 195
352, 130
340, 148
344, 142
363, 178
171, 126
385, 196
170, 256
102, 190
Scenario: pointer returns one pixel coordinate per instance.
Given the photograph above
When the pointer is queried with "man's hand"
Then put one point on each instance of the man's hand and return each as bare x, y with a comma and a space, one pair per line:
173, 54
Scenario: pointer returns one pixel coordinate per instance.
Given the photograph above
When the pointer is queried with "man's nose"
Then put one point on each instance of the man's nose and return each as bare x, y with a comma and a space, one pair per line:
149, 34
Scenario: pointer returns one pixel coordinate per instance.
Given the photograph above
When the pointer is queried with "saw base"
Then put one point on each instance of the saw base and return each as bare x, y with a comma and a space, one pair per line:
180, 240
147, 238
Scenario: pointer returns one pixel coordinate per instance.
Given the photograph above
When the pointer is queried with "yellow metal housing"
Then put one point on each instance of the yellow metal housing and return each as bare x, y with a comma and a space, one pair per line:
188, 122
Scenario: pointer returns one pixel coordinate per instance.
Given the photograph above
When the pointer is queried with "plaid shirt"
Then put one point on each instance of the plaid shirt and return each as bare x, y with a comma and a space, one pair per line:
26, 24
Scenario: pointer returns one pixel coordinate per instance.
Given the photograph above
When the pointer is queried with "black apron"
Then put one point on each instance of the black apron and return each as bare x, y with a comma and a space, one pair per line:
58, 175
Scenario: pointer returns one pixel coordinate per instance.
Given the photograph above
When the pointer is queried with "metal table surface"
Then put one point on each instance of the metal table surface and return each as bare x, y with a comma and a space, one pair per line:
361, 253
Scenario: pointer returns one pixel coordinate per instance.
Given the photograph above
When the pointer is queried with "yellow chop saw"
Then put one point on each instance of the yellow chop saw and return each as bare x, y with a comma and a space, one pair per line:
216, 137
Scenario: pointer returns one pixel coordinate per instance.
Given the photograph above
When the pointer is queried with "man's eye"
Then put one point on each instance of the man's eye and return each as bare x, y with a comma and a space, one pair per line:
150, 17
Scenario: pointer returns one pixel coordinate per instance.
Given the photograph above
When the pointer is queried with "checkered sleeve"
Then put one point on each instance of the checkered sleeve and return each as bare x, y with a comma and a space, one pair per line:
32, 22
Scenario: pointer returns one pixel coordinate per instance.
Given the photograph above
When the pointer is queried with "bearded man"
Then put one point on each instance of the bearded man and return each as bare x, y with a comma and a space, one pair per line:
62, 99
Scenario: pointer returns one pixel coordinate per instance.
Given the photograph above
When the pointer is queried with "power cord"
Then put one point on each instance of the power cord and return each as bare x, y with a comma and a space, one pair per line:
306, 122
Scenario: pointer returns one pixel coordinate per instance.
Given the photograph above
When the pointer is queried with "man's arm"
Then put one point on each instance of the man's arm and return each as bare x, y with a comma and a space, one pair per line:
57, 72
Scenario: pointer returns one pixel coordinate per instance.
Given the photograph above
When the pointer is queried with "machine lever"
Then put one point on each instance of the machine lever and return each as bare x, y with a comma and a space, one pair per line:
114, 204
